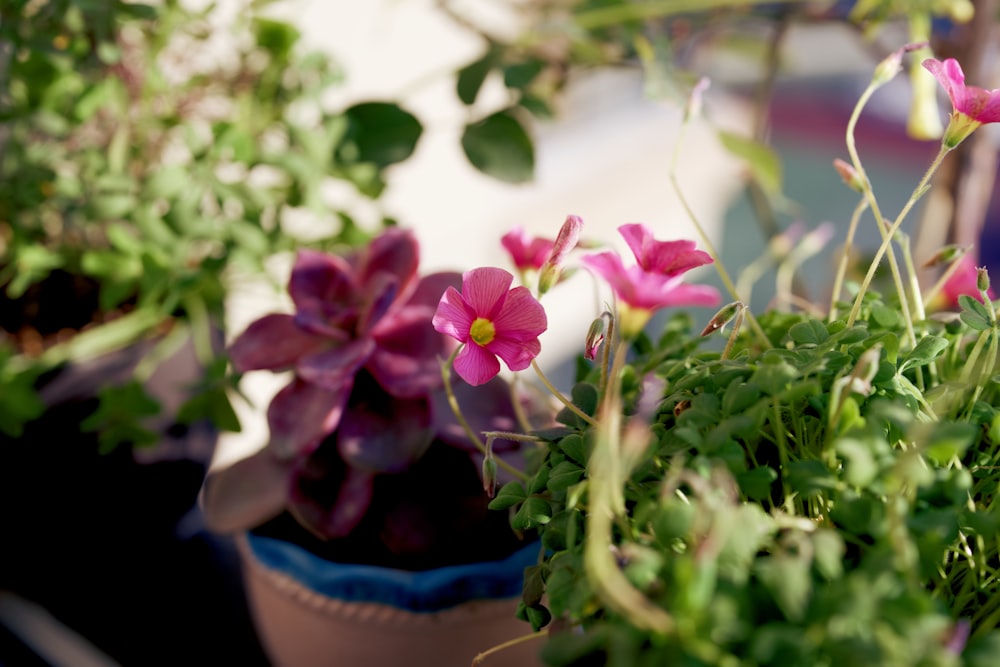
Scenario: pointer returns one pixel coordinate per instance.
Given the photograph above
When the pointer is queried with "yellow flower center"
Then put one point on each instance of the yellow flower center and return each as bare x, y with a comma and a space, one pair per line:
482, 331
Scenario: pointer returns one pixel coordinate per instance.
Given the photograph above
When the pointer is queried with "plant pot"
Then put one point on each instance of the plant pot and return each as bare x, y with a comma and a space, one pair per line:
310, 611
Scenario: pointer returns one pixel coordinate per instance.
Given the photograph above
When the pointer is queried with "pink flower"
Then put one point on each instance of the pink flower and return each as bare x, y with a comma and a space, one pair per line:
656, 281
491, 320
971, 106
527, 252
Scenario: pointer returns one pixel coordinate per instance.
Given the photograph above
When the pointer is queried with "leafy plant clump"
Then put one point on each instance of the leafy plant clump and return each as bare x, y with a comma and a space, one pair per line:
821, 491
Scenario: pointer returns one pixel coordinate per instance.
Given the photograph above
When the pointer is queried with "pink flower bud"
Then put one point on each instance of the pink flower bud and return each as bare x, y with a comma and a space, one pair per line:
849, 175
595, 335
567, 239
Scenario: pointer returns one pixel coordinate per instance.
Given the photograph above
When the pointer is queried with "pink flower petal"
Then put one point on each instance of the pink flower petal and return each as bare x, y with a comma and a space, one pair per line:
977, 103
273, 342
521, 318
526, 252
475, 365
453, 317
484, 290
666, 257
690, 295
517, 354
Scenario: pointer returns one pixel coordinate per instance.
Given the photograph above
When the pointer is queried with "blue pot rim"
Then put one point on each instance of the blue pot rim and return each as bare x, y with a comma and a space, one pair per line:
426, 591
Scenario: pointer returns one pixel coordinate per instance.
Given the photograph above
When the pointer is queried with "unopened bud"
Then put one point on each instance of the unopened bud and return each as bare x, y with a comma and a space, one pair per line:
849, 175
569, 235
982, 279
490, 475
946, 255
722, 318
892, 64
595, 335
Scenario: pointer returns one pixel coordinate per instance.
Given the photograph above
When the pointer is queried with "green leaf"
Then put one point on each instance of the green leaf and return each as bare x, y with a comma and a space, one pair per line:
212, 405
808, 332
575, 448
886, 317
277, 37
520, 75
927, 350
379, 133
787, 578
20, 401
828, 553
472, 76
673, 521
809, 477
774, 377
500, 147
861, 468
756, 482
974, 321
983, 650
34, 262
510, 494
563, 476
950, 440
118, 418
764, 163
534, 511
739, 396
974, 305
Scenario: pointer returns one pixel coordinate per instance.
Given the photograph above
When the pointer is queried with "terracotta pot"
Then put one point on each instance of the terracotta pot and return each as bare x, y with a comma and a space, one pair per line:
310, 612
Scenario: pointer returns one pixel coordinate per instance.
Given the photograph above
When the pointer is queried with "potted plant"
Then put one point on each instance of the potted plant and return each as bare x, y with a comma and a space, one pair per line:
140, 172
819, 488
363, 524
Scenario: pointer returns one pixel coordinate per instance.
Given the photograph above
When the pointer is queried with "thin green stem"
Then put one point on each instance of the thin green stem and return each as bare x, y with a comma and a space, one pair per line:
709, 246
457, 411
737, 323
879, 222
561, 397
838, 281
911, 269
609, 342
621, 13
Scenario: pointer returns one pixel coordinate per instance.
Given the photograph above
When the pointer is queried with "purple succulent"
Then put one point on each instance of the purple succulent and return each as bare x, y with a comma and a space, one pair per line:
365, 402
368, 310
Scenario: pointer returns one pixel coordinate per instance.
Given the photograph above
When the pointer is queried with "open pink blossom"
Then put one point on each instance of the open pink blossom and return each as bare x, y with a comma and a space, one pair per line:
527, 252
656, 280
491, 320
971, 106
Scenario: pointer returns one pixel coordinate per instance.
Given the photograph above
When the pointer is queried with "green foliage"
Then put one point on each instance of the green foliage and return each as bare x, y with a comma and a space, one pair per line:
777, 519
499, 146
